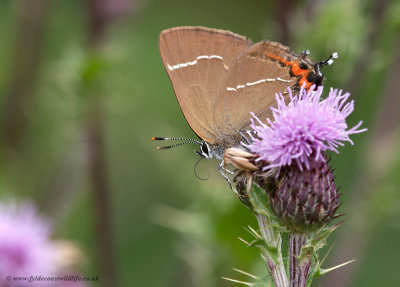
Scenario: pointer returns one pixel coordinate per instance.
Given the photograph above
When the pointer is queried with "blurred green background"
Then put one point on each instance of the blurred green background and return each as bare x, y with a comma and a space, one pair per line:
83, 90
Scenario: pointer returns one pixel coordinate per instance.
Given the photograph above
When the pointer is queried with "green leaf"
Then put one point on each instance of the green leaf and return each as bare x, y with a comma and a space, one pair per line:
305, 253
260, 204
318, 239
265, 248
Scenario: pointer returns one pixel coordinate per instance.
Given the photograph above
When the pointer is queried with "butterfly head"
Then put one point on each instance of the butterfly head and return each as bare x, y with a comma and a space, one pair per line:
204, 151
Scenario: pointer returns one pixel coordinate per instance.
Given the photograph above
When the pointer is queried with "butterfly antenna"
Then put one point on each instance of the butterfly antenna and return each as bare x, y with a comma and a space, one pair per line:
327, 62
330, 60
188, 141
174, 145
305, 53
175, 139
195, 172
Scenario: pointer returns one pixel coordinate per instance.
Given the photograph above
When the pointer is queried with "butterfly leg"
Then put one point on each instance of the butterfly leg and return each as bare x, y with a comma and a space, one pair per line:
244, 137
222, 170
222, 167
247, 135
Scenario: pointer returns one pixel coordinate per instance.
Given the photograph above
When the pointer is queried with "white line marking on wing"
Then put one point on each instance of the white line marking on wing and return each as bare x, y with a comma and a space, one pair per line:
194, 62
256, 82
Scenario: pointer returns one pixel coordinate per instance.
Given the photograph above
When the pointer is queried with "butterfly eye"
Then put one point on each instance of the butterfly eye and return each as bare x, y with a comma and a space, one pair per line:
204, 148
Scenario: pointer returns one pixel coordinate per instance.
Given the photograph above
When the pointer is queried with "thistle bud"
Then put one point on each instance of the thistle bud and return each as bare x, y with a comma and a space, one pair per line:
305, 200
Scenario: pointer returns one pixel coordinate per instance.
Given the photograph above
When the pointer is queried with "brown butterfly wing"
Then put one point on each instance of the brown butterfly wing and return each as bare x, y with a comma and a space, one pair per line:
251, 85
197, 60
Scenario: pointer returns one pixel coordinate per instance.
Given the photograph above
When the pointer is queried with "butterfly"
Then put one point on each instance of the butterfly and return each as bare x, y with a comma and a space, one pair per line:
219, 77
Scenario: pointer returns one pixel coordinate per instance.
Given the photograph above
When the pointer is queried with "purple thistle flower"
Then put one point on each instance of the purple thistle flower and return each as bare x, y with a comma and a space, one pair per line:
25, 246
304, 129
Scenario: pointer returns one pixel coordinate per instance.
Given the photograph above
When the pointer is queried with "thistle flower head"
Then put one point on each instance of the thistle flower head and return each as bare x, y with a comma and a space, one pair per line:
25, 247
303, 129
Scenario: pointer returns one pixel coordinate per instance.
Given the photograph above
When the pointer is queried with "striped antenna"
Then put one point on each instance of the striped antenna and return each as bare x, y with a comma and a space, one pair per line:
175, 139
187, 141
174, 145
329, 61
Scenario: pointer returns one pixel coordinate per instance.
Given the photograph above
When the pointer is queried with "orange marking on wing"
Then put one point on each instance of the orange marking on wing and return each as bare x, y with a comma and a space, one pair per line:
272, 56
295, 70
305, 82
280, 59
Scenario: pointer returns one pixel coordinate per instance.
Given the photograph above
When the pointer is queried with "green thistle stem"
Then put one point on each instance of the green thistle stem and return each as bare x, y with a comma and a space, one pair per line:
299, 264
275, 263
